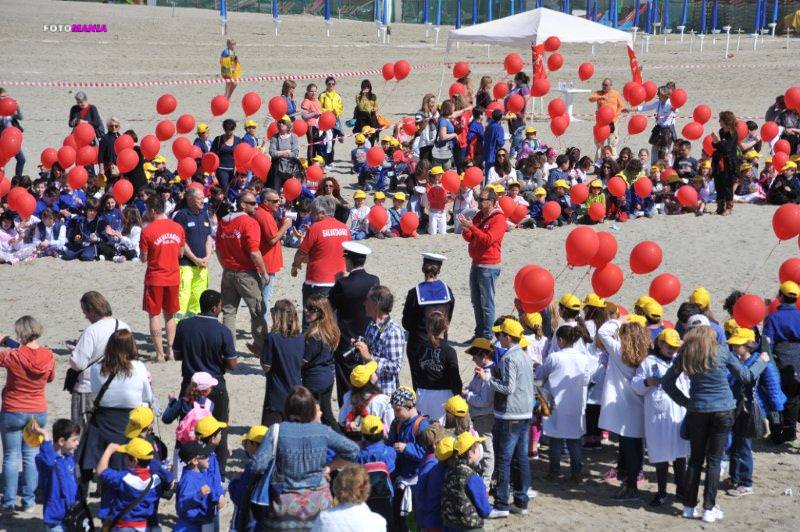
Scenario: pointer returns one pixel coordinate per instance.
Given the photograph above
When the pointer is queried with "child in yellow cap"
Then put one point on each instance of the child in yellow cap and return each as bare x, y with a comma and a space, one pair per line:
465, 502
373, 444
359, 216
396, 213
362, 399
456, 416
534, 333
239, 488
358, 155
480, 398
428, 491
378, 200
437, 202
209, 431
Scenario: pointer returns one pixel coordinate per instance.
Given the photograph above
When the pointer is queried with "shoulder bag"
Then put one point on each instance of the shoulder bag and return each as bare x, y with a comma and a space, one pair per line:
749, 418
261, 495
109, 525
71, 379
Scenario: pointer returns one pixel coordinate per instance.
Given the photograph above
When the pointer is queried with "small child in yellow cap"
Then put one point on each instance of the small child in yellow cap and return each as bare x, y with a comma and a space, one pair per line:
239, 488
465, 501
430, 479
456, 416
373, 444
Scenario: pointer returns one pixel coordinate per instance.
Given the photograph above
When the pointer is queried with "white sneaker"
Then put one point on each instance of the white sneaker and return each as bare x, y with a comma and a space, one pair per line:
691, 513
712, 515
723, 468
497, 514
119, 259
532, 493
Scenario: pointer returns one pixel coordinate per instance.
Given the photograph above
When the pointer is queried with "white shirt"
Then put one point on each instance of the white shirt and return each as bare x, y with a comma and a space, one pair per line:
90, 347
566, 374
536, 347
59, 241
379, 406
665, 114
124, 392
493, 177
622, 410
131, 241
349, 518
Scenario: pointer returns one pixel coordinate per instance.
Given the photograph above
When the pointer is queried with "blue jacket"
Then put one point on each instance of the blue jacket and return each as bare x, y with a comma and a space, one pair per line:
783, 325
73, 201
535, 211
409, 460
120, 488
494, 138
111, 219
192, 507
428, 493
239, 492
710, 391
554, 175
80, 225
378, 452
57, 482
768, 391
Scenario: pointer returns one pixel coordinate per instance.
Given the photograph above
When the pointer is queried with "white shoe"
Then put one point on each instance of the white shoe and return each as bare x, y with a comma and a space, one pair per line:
691, 513
712, 515
497, 514
532, 493
119, 259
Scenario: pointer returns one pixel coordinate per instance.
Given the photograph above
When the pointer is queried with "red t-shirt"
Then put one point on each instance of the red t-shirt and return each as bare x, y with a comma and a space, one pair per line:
162, 241
323, 245
238, 235
437, 197
273, 254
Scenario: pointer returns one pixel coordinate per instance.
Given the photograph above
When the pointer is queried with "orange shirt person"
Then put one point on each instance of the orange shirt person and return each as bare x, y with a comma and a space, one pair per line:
608, 95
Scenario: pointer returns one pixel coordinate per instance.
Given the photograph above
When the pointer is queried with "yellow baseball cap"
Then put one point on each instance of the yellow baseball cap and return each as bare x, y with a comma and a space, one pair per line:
255, 434
500, 189
596, 183
149, 167
730, 326
791, 165
706, 164
751, 154
457, 406
593, 300
319, 159
250, 123
159, 159
670, 337
635, 318
208, 426
540, 191
436, 170
767, 160
640, 303
444, 448
561, 183
653, 309
790, 289
386, 138
379, 195
399, 196
510, 327
360, 194
513, 183
303, 162
286, 118
530, 130
139, 448
139, 419
202, 127
361, 374
742, 336
479, 344
701, 297
570, 301
31, 437
367, 130
745, 166
465, 441
360, 138
533, 319
524, 343
394, 142
371, 425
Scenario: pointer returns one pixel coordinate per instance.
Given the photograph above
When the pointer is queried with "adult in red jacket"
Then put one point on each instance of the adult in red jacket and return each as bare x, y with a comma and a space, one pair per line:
485, 234
271, 240
29, 367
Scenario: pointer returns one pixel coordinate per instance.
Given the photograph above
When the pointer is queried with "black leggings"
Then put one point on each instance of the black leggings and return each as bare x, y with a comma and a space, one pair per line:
324, 400
631, 454
662, 471
592, 418
708, 434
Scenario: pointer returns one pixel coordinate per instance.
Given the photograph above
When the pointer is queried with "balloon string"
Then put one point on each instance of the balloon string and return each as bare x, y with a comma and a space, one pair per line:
562, 271
585, 275
753, 277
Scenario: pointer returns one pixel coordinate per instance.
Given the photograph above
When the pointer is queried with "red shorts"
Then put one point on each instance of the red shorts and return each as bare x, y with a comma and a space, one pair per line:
160, 298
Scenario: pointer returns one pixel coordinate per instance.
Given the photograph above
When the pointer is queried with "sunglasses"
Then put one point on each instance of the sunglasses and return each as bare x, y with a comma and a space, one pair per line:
249, 202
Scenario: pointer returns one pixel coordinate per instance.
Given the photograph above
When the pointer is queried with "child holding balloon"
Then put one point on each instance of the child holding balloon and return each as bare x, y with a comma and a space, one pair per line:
437, 202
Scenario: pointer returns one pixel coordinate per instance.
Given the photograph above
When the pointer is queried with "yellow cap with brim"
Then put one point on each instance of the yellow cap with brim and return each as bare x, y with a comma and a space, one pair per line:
360, 194
399, 196
479, 344
530, 130
640, 303
379, 195
593, 300
751, 154
360, 138
524, 343
742, 336
790, 289
639, 320
367, 130
286, 118
444, 448
436, 170
362, 373
30, 436
533, 319
706, 164
500, 189
250, 123
138, 448
255, 434
139, 419
653, 310
767, 160
319, 159
596, 183
371, 425
570, 301
465, 441
511, 327
159, 159
701, 297
791, 165
561, 183
456, 406
730, 326
540, 191
670, 337
202, 127
208, 426
745, 166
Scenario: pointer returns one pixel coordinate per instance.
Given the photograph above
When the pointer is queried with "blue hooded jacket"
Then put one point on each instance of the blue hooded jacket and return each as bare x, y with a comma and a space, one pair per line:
57, 481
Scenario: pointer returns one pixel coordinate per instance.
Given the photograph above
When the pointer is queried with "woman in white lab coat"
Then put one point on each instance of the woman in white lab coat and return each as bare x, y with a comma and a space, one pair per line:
626, 342
596, 311
662, 415
566, 375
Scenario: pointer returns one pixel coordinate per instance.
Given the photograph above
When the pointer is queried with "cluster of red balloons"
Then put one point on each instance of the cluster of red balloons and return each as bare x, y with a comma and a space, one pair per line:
559, 117
21, 201
398, 70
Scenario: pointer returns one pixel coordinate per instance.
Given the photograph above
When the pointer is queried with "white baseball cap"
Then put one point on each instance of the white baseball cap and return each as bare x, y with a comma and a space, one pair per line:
697, 320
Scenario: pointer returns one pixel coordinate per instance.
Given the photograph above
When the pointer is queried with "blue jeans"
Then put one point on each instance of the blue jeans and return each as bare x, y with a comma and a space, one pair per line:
57, 528
20, 166
511, 452
11, 425
481, 291
359, 235
741, 466
574, 448
266, 294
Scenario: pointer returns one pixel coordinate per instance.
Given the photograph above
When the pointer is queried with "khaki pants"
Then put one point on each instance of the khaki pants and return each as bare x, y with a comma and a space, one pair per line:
243, 285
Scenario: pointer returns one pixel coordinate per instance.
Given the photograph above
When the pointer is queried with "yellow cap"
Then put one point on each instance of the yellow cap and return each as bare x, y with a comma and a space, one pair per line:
701, 298
379, 195
511, 327
319, 159
436, 170
286, 118
790, 288
742, 336
745, 166
530, 130
640, 303
500, 189
360, 138
596, 183
457, 406
255, 434
208, 426
361, 374
479, 344
250, 123
149, 167
371, 425
653, 310
540, 191
465, 441
791, 165
524, 343
767, 160
593, 300
635, 318
386, 138
303, 163
444, 448
513, 183
159, 159
139, 419
670, 337
751, 154
730, 326
394, 142
399, 196
706, 164
367, 130
202, 127
533, 319
795, 158
360, 194
561, 183
570, 301
655, 168
31, 437
139, 448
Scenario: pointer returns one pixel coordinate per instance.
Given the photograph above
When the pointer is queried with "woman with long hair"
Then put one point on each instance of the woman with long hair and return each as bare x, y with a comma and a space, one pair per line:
725, 161
437, 376
709, 409
287, 93
501, 171
330, 187
366, 111
484, 96
284, 148
322, 337
446, 138
311, 110
281, 359
223, 145
595, 314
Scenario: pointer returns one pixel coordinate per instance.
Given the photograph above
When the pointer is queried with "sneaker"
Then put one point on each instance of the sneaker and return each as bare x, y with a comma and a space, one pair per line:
611, 475
640, 479
741, 491
533, 455
498, 514
712, 515
691, 513
660, 499
625, 495
531, 493
119, 259
28, 509
516, 510
101, 258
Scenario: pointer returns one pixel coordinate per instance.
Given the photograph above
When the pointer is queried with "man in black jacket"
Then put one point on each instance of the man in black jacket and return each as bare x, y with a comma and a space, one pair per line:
347, 299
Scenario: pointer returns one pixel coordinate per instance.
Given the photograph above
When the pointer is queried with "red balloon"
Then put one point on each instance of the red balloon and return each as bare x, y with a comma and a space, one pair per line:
552, 43
601, 133
292, 188
123, 142
450, 181
164, 130
500, 90
461, 69
677, 98
702, 113
749, 310
686, 196
166, 104
182, 147
708, 146
645, 257
513, 63
519, 214
77, 177
409, 223
210, 162
83, 134
70, 141
643, 187
127, 160
326, 121
473, 177
25, 205
538, 305
185, 124
277, 107
5, 185
579, 193
13, 195
402, 69
150, 146
521, 274
540, 87
634, 93
617, 187
597, 212
375, 156
242, 154
495, 104
789, 270
122, 191
692, 131
650, 90
606, 251
187, 167
556, 107
741, 129
300, 127
457, 88
507, 205
782, 146
607, 281
219, 105
665, 288
792, 98
251, 103
585, 71
377, 217
49, 155
555, 62
582, 245
637, 124
604, 114
769, 131
534, 284
515, 104
272, 130
387, 71
315, 173
773, 305
550, 212
666, 173
8, 106
86, 155
559, 124
779, 160
409, 127
261, 164
66, 156
197, 153
786, 221
10, 141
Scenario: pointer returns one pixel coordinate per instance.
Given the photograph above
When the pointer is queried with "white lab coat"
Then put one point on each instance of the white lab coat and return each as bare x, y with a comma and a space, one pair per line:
595, 396
622, 409
566, 374
662, 415
580, 345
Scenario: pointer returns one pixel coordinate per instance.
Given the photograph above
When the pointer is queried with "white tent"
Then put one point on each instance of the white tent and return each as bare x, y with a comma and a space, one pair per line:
535, 26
